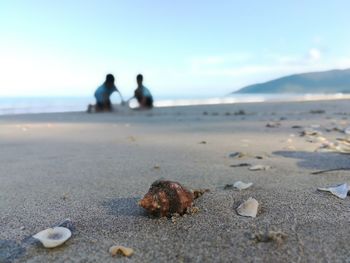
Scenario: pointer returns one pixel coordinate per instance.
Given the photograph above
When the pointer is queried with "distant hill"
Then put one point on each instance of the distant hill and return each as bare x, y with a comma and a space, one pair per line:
332, 81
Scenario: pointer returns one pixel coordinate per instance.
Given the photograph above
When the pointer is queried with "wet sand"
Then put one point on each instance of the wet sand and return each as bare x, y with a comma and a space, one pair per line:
93, 168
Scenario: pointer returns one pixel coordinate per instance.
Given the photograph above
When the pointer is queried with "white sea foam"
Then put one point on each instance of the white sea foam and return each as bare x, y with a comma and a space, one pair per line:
250, 98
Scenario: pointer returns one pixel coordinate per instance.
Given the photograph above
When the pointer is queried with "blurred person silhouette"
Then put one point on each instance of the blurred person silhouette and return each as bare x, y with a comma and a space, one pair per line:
142, 94
103, 94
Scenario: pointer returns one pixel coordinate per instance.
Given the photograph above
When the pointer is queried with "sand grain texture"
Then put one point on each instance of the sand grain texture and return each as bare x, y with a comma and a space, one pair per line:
93, 168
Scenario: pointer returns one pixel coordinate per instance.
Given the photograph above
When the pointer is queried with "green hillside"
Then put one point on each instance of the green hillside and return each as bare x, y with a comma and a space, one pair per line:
333, 81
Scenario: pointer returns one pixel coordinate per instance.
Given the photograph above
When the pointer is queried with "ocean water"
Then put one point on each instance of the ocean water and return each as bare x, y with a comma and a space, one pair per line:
70, 104
23, 105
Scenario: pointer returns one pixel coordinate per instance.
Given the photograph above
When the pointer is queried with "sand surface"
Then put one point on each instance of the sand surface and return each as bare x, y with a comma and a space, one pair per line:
93, 168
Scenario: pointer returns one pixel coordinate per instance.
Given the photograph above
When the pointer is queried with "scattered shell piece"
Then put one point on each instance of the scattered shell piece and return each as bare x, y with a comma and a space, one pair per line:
241, 186
259, 167
236, 155
240, 165
53, 237
321, 139
273, 124
248, 208
344, 141
192, 210
165, 198
203, 142
331, 170
199, 192
340, 190
310, 132
174, 218
270, 236
65, 196
156, 167
342, 145
335, 128
317, 111
125, 251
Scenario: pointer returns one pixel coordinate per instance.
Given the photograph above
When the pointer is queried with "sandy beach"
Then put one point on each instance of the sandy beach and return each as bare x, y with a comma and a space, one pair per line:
93, 168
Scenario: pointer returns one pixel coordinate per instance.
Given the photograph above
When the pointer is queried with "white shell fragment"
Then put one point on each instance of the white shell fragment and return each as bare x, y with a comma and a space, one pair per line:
347, 130
259, 167
248, 208
53, 237
340, 191
342, 145
241, 186
125, 251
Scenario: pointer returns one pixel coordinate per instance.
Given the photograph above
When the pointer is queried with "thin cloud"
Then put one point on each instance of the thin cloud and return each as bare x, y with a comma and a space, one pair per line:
230, 58
314, 54
270, 66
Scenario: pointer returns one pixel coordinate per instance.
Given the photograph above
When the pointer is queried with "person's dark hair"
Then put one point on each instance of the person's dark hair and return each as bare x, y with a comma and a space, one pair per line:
139, 77
110, 78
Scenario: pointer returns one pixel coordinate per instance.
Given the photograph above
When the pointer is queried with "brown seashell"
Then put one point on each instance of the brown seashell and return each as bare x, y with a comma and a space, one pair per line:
165, 198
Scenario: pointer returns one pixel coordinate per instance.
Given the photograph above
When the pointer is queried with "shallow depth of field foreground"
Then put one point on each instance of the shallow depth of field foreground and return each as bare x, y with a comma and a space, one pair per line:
94, 168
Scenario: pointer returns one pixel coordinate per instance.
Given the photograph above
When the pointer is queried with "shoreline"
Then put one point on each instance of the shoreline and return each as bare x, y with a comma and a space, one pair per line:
240, 99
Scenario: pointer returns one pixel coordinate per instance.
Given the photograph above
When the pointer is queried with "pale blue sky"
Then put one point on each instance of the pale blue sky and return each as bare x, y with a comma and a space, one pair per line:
183, 48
